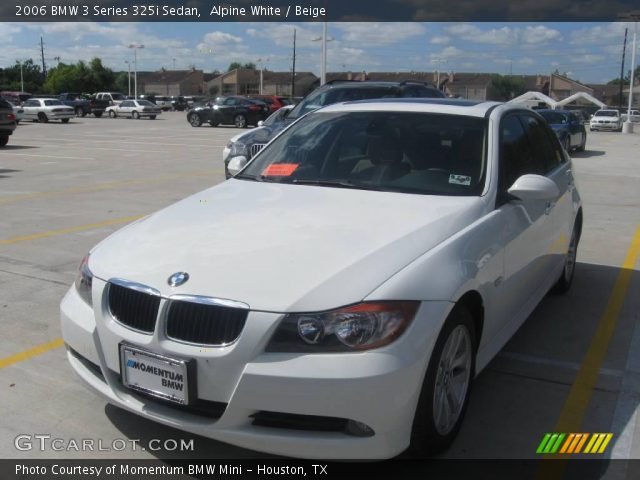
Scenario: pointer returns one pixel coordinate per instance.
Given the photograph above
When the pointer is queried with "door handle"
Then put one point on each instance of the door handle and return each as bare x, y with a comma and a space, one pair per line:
549, 205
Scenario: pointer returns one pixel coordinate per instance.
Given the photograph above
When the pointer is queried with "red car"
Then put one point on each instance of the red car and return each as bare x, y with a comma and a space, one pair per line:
274, 102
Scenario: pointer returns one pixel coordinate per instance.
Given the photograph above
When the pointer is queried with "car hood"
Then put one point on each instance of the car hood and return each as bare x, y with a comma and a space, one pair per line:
280, 247
264, 134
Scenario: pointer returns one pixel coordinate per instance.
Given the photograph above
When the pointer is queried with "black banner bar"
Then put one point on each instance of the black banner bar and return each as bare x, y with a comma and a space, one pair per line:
557, 468
313, 10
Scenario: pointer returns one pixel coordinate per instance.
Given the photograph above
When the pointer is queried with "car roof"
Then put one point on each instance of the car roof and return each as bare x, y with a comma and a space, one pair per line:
374, 83
427, 105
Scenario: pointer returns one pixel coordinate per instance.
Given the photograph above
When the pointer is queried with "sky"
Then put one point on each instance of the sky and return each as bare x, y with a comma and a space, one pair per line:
588, 52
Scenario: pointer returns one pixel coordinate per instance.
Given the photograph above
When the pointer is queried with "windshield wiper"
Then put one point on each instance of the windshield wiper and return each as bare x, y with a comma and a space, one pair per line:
335, 183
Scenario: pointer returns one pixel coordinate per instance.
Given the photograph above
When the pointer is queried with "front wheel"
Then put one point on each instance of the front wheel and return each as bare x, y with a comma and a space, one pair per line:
583, 143
135, 115
64, 120
566, 277
97, 114
80, 112
4, 140
446, 387
112, 114
240, 121
195, 120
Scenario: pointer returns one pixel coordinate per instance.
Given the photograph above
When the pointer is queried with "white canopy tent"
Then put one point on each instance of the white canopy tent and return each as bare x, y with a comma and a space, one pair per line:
536, 97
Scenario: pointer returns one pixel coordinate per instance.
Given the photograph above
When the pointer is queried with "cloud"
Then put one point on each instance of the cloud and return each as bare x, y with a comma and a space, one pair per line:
440, 40
599, 34
504, 35
378, 34
7, 30
218, 39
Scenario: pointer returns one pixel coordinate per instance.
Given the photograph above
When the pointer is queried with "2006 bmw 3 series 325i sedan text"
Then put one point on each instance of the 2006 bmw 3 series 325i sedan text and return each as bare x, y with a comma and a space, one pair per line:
336, 298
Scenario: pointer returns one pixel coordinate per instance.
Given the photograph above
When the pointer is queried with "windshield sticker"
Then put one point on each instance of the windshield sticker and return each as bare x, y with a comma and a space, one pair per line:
279, 170
460, 180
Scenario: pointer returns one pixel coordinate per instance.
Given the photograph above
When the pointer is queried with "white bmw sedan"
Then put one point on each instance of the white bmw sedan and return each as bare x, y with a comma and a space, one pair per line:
337, 297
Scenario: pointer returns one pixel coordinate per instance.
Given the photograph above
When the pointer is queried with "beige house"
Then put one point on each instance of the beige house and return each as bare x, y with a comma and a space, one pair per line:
171, 82
244, 81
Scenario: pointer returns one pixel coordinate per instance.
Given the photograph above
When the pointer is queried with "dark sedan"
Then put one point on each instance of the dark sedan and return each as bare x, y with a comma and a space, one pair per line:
7, 122
568, 127
238, 111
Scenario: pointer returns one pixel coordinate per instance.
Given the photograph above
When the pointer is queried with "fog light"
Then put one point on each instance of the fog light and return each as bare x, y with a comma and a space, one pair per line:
310, 329
358, 429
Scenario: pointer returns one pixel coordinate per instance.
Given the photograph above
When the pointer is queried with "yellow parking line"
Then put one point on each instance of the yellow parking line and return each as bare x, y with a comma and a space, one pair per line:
101, 186
30, 353
63, 231
577, 401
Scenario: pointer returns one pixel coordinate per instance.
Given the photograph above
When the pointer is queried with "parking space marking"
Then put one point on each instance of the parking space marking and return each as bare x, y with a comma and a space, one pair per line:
30, 353
102, 186
577, 401
12, 154
64, 231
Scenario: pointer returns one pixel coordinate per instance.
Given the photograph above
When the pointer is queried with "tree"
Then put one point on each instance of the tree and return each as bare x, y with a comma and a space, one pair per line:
80, 77
507, 87
248, 65
31, 74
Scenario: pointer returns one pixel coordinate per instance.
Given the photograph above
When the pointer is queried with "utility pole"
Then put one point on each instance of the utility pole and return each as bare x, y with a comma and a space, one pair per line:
21, 78
135, 47
293, 69
44, 67
627, 127
323, 69
624, 49
129, 76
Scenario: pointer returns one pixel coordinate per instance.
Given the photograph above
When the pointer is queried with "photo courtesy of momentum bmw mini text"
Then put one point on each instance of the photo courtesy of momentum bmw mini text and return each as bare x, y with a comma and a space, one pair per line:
319, 238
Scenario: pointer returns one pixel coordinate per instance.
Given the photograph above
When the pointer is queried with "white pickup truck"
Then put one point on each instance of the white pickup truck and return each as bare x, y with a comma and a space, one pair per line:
114, 97
635, 116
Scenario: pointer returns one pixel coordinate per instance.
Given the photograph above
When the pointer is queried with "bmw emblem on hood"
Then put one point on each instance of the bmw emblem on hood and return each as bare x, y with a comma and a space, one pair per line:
178, 278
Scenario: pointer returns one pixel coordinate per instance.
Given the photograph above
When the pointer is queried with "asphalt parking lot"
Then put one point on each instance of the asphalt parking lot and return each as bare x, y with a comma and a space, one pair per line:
573, 367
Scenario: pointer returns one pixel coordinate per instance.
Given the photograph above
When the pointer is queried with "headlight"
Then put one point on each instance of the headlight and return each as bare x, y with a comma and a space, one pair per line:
84, 280
237, 149
359, 327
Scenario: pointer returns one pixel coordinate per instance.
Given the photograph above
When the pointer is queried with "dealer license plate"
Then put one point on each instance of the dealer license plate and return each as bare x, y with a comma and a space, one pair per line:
154, 374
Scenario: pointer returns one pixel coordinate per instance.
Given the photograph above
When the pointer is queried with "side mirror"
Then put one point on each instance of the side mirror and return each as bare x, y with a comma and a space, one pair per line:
534, 187
236, 164
261, 123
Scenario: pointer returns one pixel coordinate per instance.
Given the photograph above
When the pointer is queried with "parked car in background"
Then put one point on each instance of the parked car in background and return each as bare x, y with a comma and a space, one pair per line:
234, 110
635, 116
334, 92
97, 107
113, 97
17, 110
163, 102
606, 119
80, 105
236, 147
274, 102
179, 103
337, 298
134, 109
7, 122
45, 109
15, 97
568, 127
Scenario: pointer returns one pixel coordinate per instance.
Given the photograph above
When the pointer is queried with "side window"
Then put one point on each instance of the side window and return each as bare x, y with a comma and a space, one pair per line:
545, 156
516, 157
230, 101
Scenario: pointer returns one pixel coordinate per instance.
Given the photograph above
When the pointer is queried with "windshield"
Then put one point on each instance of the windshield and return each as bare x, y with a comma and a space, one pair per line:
327, 96
145, 103
276, 116
606, 113
388, 151
555, 118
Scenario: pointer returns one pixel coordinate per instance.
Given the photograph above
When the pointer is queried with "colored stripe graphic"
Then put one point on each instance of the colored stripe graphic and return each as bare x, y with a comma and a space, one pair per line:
573, 442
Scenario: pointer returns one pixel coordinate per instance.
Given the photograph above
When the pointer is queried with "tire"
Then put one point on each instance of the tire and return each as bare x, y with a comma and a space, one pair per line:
80, 112
240, 121
42, 117
112, 114
64, 120
135, 115
97, 114
195, 120
567, 144
152, 117
4, 140
583, 143
432, 431
566, 277
213, 124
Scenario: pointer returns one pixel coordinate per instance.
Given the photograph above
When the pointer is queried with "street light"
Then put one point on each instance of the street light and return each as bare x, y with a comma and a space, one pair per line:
129, 77
261, 64
135, 47
437, 62
633, 16
21, 77
323, 53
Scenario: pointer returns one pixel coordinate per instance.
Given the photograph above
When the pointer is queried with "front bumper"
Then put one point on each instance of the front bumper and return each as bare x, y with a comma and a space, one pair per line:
379, 388
605, 126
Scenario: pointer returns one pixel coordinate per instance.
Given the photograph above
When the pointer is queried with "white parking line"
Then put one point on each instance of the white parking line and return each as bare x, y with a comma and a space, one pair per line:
44, 156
